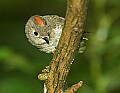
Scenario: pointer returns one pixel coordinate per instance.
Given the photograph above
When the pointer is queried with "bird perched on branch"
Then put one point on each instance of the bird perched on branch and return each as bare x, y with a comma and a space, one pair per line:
44, 32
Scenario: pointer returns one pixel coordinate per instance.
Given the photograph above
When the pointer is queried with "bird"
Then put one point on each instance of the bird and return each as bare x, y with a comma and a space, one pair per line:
44, 32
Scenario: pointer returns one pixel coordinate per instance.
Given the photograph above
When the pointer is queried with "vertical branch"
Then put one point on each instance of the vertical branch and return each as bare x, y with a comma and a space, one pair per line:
55, 74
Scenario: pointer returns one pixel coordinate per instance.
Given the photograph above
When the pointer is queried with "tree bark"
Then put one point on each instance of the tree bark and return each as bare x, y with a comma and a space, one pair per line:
55, 74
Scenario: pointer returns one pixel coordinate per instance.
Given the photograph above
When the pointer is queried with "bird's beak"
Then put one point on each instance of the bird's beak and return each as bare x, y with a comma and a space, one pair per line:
46, 39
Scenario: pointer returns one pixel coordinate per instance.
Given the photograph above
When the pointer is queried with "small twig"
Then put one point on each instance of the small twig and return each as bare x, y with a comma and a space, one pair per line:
74, 88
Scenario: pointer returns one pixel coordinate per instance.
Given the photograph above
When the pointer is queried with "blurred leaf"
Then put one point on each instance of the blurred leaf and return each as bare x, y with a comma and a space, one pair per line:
12, 60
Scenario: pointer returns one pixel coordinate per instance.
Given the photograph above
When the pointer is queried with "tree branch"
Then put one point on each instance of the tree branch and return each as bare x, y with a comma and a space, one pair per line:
55, 74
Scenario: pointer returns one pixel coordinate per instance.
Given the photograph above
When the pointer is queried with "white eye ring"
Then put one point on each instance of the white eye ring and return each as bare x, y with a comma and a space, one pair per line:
36, 34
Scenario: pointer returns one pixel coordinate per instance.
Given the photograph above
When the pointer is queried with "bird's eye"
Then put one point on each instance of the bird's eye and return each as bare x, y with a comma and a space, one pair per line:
48, 34
36, 34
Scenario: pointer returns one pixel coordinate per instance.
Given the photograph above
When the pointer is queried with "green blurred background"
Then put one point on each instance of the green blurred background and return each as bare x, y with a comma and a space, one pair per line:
20, 62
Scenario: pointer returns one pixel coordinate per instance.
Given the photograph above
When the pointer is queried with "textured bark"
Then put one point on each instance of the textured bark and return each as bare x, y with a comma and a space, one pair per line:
55, 74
